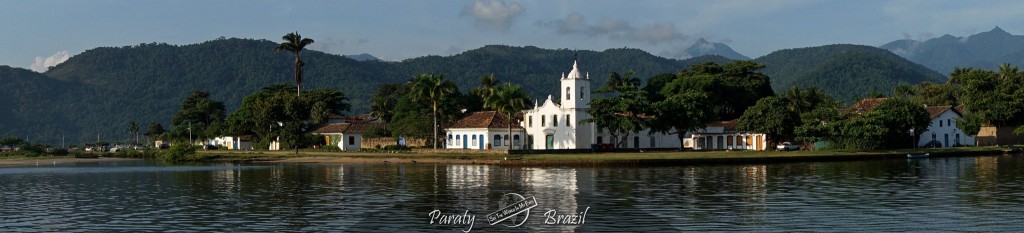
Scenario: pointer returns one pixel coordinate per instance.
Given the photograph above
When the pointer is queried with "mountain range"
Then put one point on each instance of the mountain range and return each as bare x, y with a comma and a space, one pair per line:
96, 94
986, 50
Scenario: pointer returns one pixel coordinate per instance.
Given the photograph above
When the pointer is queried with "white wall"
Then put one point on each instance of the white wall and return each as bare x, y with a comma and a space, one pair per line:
944, 126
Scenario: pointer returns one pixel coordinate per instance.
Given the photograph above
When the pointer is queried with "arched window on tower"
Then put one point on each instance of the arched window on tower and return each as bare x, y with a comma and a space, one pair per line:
581, 91
568, 92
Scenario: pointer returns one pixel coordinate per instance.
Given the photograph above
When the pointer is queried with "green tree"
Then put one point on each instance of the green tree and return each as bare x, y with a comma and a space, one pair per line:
488, 86
294, 43
134, 129
680, 105
508, 100
806, 100
898, 117
384, 100
273, 113
970, 124
199, 116
154, 130
622, 107
433, 89
771, 117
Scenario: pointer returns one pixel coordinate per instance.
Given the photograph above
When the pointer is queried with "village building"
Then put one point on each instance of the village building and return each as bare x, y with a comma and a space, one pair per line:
722, 135
556, 126
484, 130
243, 142
942, 131
345, 136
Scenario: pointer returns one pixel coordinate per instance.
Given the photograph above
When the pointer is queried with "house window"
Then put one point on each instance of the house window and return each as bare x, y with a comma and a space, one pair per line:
506, 140
554, 120
949, 122
497, 140
515, 140
933, 136
581, 92
458, 139
542, 123
567, 121
940, 123
474, 140
530, 121
449, 140
652, 141
600, 140
567, 93
351, 140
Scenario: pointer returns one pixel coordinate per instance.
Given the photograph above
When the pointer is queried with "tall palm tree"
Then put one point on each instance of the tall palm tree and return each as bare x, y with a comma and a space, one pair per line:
293, 42
134, 129
508, 99
433, 88
487, 87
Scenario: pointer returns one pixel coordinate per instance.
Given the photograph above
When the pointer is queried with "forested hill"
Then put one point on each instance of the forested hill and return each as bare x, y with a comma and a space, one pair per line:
846, 72
98, 92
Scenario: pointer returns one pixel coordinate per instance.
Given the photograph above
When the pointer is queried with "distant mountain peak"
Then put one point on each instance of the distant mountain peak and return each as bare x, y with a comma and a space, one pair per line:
363, 57
998, 30
702, 47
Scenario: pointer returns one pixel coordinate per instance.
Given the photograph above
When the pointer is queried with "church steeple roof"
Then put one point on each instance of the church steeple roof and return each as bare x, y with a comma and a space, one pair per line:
575, 73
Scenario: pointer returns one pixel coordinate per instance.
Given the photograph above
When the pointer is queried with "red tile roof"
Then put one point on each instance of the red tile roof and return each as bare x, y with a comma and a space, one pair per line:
934, 111
486, 119
729, 125
865, 105
347, 127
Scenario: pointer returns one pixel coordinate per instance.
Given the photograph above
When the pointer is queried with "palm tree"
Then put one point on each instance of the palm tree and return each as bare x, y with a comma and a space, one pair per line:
508, 99
487, 87
134, 129
293, 42
433, 88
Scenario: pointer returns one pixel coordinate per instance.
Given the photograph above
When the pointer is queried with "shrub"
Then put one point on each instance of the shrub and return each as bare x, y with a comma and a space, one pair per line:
180, 152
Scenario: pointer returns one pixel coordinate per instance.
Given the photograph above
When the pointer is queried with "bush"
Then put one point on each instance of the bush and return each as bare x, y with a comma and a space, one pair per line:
181, 152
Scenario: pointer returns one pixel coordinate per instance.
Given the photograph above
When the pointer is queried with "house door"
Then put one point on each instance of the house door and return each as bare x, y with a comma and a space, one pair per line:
947, 140
550, 142
465, 142
481, 141
636, 142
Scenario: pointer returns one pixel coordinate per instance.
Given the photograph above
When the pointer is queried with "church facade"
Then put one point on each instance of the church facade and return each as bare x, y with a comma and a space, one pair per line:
551, 125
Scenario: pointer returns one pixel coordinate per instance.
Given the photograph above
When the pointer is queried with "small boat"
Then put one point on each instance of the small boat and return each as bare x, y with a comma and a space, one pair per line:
917, 156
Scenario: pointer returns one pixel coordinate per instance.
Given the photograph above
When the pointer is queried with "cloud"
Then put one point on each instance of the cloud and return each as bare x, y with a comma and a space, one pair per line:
43, 64
493, 14
615, 29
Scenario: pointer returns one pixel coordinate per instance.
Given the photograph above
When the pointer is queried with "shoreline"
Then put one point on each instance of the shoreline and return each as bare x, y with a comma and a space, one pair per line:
661, 158
55, 160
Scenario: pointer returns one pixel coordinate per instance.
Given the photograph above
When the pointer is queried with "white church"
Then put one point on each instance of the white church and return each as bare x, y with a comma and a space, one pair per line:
553, 126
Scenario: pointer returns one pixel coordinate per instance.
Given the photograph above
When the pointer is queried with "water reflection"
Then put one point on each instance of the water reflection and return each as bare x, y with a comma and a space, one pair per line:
969, 194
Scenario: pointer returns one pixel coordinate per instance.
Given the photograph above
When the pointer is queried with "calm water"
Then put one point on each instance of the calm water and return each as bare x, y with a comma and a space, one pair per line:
939, 194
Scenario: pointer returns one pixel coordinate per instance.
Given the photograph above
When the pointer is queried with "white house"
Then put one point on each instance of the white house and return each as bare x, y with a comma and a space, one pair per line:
943, 128
346, 136
722, 135
243, 142
483, 130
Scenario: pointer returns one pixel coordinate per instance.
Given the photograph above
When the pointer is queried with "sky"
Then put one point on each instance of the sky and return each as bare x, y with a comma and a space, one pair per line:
41, 33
